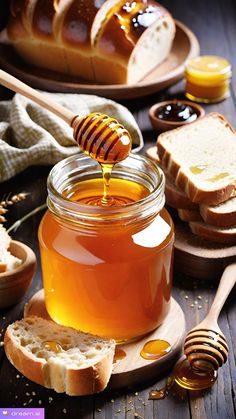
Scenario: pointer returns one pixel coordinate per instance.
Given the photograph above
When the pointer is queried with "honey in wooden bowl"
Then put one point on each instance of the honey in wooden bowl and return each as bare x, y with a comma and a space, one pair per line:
107, 268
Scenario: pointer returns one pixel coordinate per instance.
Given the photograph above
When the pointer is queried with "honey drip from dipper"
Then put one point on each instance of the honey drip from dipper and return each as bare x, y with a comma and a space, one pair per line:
105, 140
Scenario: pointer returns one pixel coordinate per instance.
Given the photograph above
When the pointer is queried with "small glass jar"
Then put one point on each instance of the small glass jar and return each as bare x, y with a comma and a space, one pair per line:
207, 79
107, 270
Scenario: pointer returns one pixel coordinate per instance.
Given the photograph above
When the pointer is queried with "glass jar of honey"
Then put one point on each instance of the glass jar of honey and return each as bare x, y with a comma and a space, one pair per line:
107, 269
207, 78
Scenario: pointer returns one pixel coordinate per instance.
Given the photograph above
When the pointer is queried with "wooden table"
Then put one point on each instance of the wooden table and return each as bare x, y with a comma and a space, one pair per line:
214, 23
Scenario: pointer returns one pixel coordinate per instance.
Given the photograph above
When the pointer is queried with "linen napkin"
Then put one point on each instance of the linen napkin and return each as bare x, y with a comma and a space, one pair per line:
31, 135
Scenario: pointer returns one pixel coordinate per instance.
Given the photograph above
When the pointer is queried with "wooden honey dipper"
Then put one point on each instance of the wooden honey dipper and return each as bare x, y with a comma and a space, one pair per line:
98, 135
205, 345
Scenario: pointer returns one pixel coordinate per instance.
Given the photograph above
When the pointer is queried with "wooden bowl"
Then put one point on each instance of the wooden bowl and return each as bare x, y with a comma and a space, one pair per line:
15, 283
163, 125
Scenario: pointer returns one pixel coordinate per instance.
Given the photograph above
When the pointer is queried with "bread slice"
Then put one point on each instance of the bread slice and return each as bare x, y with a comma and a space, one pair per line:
59, 357
176, 198
222, 215
189, 215
201, 157
7, 260
214, 234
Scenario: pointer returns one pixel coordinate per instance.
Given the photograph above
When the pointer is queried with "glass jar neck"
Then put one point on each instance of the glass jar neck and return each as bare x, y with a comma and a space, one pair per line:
78, 168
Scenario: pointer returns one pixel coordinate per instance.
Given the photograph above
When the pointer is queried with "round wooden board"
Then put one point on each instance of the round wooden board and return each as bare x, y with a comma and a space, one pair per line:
133, 369
195, 256
185, 46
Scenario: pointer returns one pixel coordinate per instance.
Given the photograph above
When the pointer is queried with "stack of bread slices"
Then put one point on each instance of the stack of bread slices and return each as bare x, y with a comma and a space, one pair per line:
199, 161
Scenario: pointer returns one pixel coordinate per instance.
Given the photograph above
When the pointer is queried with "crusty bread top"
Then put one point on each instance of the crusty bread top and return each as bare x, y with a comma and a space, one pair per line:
202, 158
60, 357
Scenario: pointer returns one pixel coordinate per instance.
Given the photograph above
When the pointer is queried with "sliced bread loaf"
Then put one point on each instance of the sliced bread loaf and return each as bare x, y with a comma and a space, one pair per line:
212, 233
59, 357
201, 157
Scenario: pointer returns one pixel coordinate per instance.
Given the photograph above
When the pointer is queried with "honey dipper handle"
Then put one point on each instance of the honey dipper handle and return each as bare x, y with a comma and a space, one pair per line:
18, 86
226, 284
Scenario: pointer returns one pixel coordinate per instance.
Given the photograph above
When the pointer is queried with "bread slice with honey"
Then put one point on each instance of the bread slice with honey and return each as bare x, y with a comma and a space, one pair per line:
59, 357
201, 158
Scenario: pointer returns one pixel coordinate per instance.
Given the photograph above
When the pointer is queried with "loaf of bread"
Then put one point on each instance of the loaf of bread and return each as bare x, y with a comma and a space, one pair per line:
113, 41
59, 357
201, 158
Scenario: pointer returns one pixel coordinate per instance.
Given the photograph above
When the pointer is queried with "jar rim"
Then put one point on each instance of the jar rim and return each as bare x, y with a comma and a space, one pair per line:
76, 211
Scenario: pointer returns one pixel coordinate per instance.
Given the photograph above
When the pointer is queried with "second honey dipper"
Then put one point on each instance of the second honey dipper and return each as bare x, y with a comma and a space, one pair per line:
98, 135
205, 345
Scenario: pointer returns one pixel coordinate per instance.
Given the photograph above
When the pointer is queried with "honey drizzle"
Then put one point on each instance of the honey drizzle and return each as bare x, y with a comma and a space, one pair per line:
106, 174
155, 349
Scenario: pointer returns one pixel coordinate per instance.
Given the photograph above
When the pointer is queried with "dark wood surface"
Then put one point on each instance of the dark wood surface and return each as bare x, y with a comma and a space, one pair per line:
214, 23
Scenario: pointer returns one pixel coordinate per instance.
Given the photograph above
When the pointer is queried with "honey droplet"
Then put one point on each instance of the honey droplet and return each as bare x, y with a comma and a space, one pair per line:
218, 177
53, 346
155, 349
162, 392
119, 354
196, 170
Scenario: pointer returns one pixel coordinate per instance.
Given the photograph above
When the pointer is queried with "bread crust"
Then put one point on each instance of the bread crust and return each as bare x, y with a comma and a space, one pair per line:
22, 362
74, 381
173, 168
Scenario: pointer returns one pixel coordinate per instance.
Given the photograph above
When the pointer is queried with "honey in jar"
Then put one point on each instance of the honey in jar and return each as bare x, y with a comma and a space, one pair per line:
107, 268
207, 79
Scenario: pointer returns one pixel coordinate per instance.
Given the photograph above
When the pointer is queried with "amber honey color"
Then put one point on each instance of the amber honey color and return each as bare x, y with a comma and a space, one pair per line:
113, 278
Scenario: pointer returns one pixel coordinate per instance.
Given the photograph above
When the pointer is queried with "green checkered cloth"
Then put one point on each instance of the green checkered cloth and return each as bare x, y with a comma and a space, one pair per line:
31, 135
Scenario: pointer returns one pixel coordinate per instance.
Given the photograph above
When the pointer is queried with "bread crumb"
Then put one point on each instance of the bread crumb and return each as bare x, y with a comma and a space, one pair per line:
1, 343
40, 401
17, 376
27, 394
64, 410
99, 410
30, 400
136, 393
33, 393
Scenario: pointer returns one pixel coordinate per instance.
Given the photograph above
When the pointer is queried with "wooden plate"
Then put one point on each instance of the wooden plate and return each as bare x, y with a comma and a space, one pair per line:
133, 369
170, 71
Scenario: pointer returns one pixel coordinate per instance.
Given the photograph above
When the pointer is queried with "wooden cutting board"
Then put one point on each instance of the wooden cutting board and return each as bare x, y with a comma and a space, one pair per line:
195, 256
133, 369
